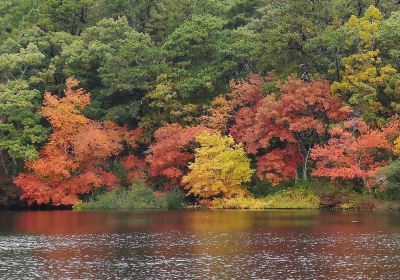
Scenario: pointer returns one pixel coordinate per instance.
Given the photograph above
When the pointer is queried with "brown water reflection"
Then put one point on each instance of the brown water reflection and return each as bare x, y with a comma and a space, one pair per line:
200, 245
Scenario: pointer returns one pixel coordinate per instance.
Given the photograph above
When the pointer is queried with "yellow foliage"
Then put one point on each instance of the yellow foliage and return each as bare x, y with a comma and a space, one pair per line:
365, 28
220, 168
239, 203
293, 198
397, 146
366, 82
166, 107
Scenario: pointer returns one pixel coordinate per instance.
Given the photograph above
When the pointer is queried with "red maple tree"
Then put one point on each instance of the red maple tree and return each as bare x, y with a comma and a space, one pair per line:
172, 151
223, 109
281, 129
355, 151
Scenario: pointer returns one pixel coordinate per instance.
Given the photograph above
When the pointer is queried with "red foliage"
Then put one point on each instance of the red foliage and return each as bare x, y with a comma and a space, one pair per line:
73, 160
172, 151
355, 151
134, 166
224, 107
281, 129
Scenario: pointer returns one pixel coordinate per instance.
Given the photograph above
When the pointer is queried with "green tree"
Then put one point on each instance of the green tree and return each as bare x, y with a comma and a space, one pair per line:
389, 39
12, 13
21, 131
202, 56
59, 15
115, 62
284, 30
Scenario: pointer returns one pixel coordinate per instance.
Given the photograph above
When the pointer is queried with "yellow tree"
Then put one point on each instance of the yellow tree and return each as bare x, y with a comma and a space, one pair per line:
370, 85
219, 169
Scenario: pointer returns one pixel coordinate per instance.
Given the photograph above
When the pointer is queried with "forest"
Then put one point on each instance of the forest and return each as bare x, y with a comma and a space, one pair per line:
256, 104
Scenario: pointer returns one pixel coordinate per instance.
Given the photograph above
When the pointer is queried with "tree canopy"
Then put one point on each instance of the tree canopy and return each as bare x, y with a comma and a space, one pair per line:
282, 87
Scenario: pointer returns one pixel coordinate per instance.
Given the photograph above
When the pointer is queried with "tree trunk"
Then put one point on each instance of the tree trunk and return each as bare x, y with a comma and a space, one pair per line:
4, 172
305, 164
337, 65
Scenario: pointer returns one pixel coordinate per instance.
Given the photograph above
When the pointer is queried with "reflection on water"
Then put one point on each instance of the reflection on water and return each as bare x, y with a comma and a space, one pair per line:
199, 245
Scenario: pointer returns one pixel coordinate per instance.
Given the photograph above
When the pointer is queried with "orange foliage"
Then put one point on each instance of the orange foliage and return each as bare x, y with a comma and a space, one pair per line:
355, 151
73, 160
223, 108
281, 129
172, 151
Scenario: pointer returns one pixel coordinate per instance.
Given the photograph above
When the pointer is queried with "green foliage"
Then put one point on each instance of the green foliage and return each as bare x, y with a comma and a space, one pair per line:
12, 12
388, 206
139, 196
16, 65
20, 124
391, 188
115, 62
202, 55
389, 38
284, 31
59, 15
175, 198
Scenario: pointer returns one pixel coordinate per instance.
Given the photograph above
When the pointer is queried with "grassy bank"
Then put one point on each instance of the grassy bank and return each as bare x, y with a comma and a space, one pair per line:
296, 198
313, 195
304, 195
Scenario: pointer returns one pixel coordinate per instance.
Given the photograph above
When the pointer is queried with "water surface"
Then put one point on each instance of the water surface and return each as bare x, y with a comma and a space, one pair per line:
199, 245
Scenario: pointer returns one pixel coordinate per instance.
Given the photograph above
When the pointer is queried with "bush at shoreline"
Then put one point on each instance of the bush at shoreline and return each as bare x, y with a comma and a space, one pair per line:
138, 196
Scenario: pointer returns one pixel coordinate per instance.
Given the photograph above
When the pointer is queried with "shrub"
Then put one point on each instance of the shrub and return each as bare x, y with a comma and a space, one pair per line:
388, 206
292, 198
175, 198
359, 201
238, 203
139, 196
391, 190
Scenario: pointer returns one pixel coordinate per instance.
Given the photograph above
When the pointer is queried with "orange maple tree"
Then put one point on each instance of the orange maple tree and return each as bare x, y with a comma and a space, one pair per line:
73, 161
281, 129
172, 151
355, 151
223, 109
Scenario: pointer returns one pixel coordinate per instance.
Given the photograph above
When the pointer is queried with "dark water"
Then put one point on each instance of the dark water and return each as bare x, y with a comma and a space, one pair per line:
200, 245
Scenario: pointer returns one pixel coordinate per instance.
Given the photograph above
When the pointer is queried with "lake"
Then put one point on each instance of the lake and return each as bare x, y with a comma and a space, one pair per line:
199, 245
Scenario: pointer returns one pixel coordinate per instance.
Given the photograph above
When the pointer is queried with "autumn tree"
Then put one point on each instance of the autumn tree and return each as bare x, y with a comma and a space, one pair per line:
370, 85
221, 114
164, 105
172, 151
73, 161
281, 129
134, 164
355, 151
220, 168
